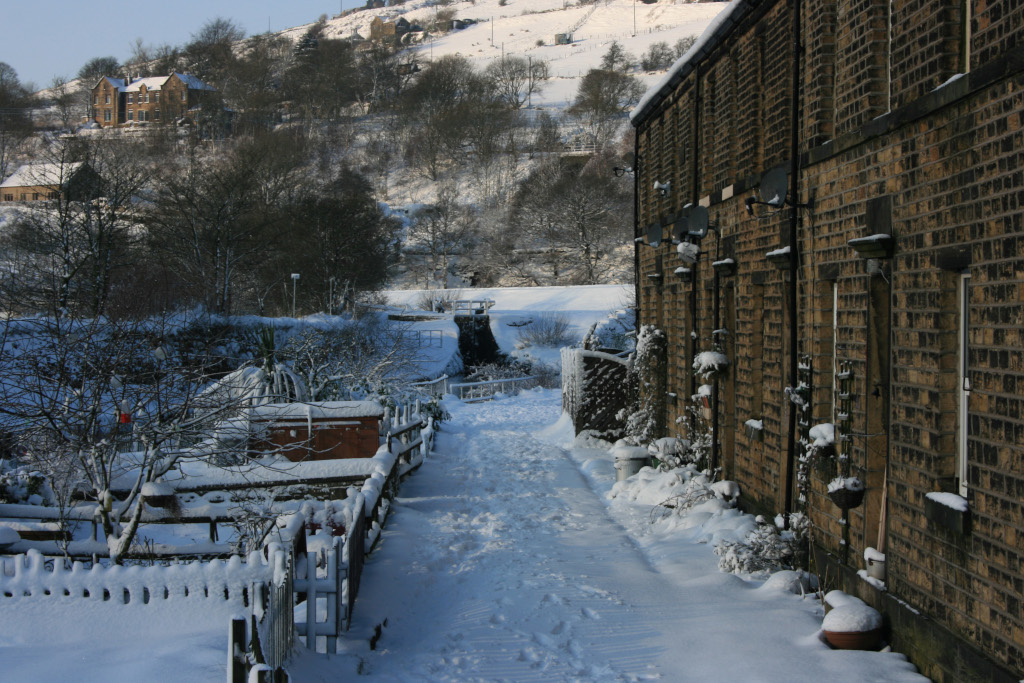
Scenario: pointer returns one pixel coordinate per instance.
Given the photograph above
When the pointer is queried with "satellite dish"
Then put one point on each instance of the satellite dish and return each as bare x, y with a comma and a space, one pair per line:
654, 234
698, 221
679, 229
773, 187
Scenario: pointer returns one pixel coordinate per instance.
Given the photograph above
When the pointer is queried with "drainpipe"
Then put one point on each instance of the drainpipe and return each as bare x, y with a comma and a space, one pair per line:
794, 220
716, 326
636, 225
696, 198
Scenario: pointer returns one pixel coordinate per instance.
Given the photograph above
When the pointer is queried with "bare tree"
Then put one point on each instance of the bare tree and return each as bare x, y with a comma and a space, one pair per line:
67, 388
15, 125
443, 231
516, 79
79, 239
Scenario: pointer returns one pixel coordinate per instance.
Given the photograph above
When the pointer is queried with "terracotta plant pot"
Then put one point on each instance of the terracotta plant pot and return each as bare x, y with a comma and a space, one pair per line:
855, 640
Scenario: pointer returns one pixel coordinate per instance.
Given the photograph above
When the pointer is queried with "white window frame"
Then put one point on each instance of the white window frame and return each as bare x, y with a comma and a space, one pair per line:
963, 380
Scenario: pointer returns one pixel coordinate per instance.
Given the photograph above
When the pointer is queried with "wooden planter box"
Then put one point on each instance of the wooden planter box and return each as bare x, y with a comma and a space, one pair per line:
328, 430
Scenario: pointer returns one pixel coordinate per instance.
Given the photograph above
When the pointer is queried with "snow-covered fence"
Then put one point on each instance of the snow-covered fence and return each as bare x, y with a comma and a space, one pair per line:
33, 576
471, 306
488, 389
435, 387
594, 389
424, 338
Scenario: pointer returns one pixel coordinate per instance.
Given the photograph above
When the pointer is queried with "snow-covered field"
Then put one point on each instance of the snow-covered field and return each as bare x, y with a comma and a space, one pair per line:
513, 28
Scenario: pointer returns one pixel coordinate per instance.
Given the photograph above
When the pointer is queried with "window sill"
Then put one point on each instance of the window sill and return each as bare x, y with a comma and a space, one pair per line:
953, 519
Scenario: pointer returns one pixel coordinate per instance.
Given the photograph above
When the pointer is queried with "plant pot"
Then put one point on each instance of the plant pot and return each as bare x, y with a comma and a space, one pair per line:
161, 500
876, 569
845, 499
854, 640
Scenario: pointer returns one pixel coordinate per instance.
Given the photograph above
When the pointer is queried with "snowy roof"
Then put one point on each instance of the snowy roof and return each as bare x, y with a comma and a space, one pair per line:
191, 82
328, 410
116, 82
151, 83
42, 174
715, 31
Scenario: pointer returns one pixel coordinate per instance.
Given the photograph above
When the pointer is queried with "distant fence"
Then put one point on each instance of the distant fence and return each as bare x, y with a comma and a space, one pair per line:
488, 389
435, 387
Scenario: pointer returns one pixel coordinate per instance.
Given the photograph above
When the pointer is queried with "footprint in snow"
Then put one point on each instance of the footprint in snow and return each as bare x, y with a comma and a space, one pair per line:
590, 614
559, 628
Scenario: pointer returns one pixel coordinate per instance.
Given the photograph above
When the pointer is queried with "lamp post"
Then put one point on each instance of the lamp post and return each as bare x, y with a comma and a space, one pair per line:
295, 282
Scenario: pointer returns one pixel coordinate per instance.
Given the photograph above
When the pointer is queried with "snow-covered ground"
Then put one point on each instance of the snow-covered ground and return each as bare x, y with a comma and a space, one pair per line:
505, 560
580, 306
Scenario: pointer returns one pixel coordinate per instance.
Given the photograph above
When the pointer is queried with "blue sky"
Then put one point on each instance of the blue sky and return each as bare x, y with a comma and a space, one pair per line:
43, 38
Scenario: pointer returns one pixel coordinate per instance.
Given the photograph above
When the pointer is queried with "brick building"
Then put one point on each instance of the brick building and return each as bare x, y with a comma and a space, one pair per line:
857, 204
47, 182
156, 99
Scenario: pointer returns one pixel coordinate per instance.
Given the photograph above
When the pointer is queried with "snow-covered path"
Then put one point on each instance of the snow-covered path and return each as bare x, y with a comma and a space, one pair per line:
503, 560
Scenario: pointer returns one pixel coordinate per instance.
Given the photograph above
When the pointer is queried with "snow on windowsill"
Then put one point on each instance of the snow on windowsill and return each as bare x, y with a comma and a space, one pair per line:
950, 500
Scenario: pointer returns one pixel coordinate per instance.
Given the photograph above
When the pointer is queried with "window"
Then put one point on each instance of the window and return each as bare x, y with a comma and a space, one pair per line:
52, 195
156, 115
131, 97
147, 97
142, 115
963, 380
183, 93
24, 196
35, 196
8, 197
107, 99
95, 99
156, 96
131, 114
106, 116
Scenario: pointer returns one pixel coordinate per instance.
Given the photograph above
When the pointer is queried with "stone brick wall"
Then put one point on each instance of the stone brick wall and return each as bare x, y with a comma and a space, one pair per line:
940, 172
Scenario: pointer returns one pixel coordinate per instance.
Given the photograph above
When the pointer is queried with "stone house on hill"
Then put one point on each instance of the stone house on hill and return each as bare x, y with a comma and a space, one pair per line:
850, 200
42, 182
156, 99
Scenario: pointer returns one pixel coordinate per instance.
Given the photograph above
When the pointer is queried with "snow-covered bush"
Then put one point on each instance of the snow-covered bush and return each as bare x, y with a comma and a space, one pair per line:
767, 548
438, 300
547, 329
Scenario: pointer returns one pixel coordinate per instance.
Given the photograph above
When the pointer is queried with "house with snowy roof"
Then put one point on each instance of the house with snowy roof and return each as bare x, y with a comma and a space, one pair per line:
41, 182
154, 99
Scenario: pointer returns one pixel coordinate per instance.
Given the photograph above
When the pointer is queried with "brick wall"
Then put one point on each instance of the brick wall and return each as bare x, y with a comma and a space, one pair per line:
942, 174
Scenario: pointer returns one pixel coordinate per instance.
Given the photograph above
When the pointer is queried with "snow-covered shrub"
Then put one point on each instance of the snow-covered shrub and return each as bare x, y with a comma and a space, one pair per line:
22, 485
547, 329
645, 420
438, 300
767, 548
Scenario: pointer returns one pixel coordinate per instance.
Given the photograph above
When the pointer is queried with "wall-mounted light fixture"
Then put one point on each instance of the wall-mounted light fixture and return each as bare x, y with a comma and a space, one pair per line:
620, 171
663, 188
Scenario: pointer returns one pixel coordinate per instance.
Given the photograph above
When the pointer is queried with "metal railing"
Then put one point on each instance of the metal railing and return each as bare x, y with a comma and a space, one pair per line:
488, 389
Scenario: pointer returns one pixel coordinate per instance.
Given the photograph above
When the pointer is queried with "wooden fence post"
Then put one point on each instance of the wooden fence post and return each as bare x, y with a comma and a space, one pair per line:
236, 651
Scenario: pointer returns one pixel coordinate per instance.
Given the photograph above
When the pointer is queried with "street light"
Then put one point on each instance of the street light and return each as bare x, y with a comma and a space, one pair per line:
295, 281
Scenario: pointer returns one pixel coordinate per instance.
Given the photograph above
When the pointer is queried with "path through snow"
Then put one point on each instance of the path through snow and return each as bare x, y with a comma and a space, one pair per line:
503, 560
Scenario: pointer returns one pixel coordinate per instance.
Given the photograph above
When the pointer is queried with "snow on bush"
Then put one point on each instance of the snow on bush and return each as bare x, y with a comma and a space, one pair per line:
547, 329
646, 420
708, 363
766, 549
